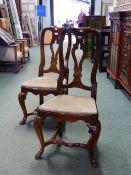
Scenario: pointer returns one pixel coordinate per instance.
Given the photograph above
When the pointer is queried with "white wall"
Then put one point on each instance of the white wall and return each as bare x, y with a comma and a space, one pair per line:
1, 1
114, 3
97, 10
47, 18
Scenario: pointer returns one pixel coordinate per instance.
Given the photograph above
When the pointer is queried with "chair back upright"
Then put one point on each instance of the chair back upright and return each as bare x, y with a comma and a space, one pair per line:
79, 54
50, 51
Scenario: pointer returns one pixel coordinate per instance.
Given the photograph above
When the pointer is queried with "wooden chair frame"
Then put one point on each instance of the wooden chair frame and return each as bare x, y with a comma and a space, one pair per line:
91, 120
42, 70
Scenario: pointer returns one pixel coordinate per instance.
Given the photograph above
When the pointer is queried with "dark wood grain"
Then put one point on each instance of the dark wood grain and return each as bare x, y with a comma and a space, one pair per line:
119, 65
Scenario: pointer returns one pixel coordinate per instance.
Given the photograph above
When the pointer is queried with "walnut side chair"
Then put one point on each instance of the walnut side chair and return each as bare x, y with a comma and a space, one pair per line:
46, 82
72, 108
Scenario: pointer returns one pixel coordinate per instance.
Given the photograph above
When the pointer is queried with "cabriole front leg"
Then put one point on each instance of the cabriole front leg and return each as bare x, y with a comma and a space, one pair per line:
38, 129
21, 98
94, 131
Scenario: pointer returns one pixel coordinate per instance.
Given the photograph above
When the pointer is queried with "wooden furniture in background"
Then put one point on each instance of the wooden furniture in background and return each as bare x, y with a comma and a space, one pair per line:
105, 37
26, 35
73, 108
10, 53
29, 19
25, 49
119, 65
49, 71
10, 58
24, 25
4, 23
3, 11
94, 22
5, 14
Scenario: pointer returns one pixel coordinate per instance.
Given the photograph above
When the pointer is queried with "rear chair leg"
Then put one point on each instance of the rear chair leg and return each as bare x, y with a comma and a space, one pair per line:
94, 130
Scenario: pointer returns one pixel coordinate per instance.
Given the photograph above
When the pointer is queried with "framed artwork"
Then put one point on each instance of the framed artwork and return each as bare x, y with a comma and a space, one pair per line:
95, 22
30, 19
6, 38
14, 19
3, 11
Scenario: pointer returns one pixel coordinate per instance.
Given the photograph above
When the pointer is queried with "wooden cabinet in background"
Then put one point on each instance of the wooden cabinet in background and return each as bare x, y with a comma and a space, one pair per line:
119, 63
104, 53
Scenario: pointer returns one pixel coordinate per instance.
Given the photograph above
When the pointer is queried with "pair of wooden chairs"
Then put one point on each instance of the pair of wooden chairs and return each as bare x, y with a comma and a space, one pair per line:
64, 107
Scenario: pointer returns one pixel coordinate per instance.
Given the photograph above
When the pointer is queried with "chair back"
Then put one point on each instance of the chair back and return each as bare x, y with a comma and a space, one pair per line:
79, 56
49, 50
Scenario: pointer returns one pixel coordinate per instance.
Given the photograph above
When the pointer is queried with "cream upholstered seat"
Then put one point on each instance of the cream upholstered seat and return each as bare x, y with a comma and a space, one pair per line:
48, 81
43, 82
77, 105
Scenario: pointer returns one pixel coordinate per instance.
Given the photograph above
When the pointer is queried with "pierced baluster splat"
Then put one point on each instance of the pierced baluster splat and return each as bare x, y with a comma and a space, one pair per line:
79, 53
79, 45
51, 49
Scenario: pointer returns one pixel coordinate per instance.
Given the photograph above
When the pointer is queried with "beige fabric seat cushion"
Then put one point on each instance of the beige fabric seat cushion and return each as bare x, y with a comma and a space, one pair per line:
44, 82
70, 104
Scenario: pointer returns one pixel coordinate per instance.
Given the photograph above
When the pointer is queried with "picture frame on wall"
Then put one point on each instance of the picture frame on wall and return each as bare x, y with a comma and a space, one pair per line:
14, 19
6, 38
